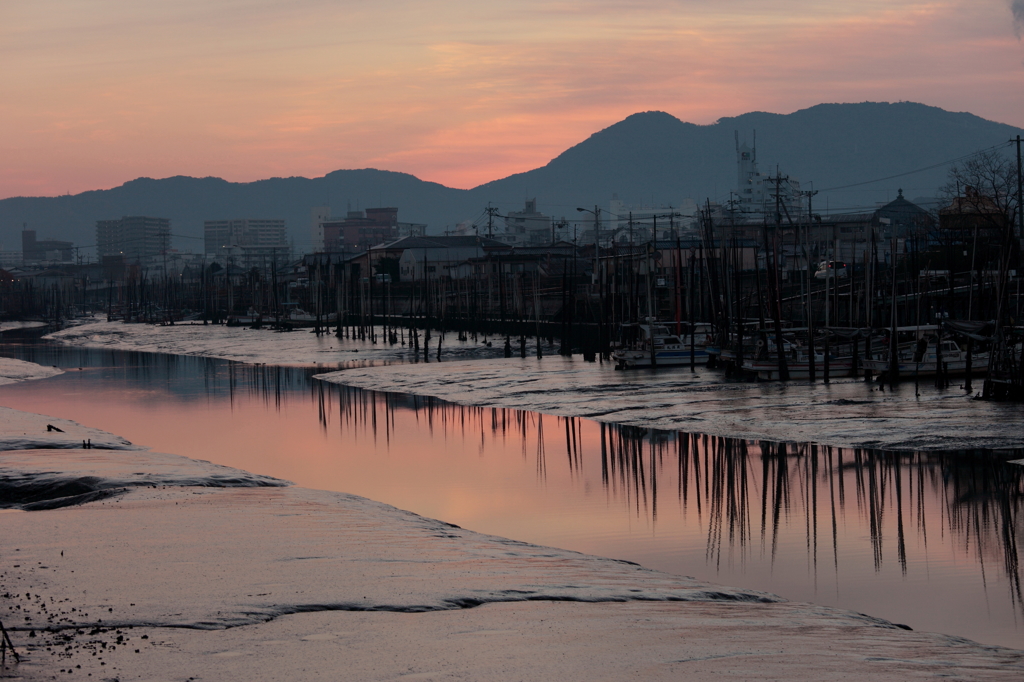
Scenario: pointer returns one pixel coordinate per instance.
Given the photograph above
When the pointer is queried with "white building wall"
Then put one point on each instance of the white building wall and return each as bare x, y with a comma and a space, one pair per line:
318, 215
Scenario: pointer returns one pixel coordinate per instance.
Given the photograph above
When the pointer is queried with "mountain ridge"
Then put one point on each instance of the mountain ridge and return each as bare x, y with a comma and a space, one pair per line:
649, 157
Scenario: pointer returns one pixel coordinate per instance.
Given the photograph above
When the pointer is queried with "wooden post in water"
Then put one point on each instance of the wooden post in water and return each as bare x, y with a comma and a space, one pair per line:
829, 272
564, 349
780, 350
738, 295
811, 362
650, 301
693, 319
536, 310
969, 367
5, 644
894, 361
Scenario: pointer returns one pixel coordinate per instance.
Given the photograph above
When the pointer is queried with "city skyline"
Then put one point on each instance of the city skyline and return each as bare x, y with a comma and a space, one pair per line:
99, 93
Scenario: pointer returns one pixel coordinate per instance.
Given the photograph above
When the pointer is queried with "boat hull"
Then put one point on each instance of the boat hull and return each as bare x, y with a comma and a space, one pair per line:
768, 370
629, 359
979, 367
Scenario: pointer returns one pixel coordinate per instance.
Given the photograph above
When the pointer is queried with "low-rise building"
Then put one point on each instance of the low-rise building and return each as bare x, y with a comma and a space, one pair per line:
528, 226
360, 230
431, 257
35, 251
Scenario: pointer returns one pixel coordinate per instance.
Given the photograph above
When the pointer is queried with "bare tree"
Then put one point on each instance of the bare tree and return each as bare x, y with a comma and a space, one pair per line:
984, 186
984, 200
979, 210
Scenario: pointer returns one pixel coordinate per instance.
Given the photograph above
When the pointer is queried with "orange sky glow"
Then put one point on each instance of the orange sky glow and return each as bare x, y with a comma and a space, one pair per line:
98, 92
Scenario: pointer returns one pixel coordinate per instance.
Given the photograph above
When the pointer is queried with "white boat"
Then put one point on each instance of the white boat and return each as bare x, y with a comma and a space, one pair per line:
765, 364
653, 344
799, 367
922, 360
299, 317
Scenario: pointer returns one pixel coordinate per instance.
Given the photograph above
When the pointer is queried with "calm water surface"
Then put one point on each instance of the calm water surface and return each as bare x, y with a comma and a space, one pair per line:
926, 539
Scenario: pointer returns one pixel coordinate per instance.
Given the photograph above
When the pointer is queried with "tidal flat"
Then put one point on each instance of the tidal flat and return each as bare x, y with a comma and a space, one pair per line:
255, 577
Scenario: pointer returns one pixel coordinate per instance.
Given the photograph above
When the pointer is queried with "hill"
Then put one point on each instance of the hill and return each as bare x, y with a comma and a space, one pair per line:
656, 156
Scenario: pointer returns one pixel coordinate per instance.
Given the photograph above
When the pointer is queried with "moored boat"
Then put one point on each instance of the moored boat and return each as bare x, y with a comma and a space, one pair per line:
923, 358
799, 367
652, 344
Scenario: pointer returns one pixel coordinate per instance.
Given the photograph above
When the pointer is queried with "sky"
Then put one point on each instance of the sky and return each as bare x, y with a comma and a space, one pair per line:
94, 93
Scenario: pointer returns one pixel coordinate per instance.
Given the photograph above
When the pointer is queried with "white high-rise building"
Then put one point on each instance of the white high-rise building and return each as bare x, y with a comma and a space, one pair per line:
251, 240
318, 216
756, 192
135, 238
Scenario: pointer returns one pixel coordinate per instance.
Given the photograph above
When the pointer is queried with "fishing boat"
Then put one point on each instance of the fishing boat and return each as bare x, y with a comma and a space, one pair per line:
651, 344
299, 317
799, 366
765, 362
922, 359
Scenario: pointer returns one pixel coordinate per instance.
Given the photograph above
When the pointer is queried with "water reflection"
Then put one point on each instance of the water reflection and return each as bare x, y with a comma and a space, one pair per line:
180, 376
927, 538
748, 496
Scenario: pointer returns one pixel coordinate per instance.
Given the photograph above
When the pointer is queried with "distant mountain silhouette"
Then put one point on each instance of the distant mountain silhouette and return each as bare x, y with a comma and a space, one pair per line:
656, 156
189, 201
647, 158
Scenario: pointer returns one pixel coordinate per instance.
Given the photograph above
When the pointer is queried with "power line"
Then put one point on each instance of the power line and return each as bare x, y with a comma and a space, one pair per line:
143, 238
919, 170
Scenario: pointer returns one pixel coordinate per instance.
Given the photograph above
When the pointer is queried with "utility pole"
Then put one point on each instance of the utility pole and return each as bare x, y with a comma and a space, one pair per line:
491, 212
